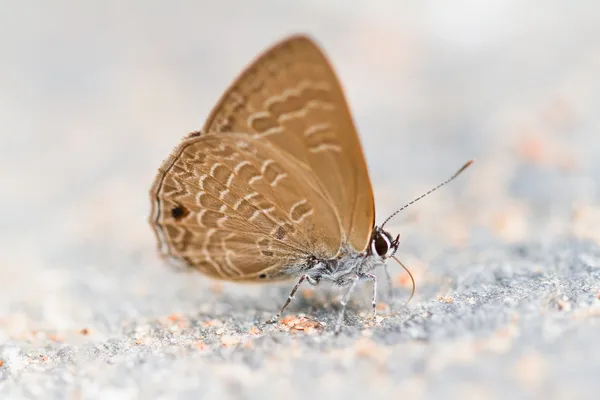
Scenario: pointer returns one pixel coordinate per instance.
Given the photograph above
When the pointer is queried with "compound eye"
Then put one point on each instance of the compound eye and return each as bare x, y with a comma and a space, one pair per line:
381, 245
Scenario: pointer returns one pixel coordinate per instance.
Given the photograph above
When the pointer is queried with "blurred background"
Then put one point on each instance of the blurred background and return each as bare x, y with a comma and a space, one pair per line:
94, 95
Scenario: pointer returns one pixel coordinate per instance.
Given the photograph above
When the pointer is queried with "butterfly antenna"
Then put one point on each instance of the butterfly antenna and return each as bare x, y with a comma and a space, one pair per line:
456, 174
411, 278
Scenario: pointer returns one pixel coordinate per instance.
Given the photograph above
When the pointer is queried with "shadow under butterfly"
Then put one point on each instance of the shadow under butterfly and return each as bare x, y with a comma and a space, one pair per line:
275, 185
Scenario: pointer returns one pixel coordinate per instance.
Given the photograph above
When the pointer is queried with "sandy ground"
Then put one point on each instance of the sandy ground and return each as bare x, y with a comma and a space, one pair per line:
507, 258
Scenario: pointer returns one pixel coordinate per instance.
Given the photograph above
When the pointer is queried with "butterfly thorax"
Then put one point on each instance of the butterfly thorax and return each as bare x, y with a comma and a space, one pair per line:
350, 264
341, 270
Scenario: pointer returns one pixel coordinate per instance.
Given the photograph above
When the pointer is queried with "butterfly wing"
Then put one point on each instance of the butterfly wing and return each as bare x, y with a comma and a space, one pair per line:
236, 208
290, 97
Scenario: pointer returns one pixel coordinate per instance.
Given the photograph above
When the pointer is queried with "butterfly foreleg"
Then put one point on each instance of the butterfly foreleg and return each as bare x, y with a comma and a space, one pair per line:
291, 296
372, 278
388, 278
338, 324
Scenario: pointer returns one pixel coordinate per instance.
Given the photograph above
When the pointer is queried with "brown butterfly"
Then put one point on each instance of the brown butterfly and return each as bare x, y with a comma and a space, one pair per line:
275, 186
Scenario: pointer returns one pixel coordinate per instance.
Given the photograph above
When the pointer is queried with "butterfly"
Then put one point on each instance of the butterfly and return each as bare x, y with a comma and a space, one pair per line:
275, 186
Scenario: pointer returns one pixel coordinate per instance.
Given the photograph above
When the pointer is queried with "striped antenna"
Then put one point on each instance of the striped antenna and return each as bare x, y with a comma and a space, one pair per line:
467, 165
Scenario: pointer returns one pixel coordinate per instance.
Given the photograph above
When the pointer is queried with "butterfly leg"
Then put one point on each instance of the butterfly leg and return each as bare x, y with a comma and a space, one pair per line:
372, 278
389, 281
291, 296
340, 318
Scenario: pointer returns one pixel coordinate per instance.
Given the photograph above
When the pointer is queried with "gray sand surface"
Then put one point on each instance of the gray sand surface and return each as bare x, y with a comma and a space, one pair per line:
506, 259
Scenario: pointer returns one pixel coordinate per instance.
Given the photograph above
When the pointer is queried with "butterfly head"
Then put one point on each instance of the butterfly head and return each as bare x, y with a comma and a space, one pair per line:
383, 244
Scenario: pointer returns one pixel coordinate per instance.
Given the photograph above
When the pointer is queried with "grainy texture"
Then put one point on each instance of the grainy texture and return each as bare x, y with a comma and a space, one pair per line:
507, 258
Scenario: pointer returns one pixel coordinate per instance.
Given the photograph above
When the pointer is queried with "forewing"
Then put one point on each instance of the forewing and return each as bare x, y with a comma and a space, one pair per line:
291, 98
236, 208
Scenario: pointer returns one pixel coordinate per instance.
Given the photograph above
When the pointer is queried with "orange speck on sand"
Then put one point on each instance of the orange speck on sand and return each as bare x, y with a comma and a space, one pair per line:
295, 323
84, 331
511, 223
308, 294
531, 148
382, 306
55, 338
201, 345
212, 322
403, 280
446, 299
254, 331
364, 347
367, 348
216, 287
1, 363
174, 317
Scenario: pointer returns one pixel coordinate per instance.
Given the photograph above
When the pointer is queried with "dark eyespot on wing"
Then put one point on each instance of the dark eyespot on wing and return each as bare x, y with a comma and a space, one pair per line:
179, 212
